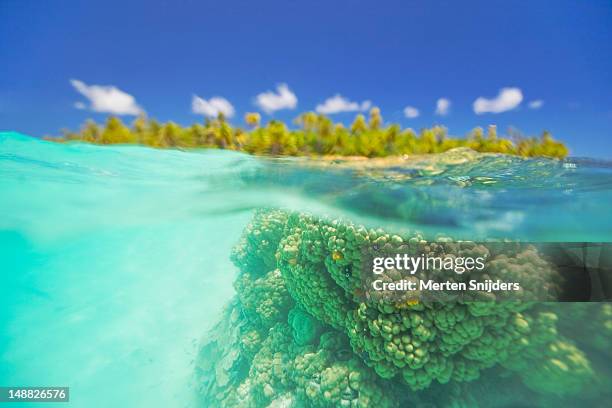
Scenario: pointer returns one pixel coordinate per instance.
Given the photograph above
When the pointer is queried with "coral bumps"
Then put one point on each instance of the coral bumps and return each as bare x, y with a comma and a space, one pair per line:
305, 335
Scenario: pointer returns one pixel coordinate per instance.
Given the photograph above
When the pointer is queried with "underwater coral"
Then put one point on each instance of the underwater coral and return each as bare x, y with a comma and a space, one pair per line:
301, 333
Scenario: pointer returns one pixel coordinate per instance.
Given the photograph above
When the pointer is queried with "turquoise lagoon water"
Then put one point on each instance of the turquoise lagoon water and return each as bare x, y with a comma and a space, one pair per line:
115, 260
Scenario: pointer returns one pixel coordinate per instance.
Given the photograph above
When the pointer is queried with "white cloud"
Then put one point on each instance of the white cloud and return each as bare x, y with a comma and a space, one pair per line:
80, 105
443, 106
271, 101
537, 104
106, 99
411, 112
339, 103
212, 107
507, 99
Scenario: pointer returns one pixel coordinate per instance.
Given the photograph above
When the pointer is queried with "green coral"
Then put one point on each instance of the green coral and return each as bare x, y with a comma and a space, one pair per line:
592, 320
321, 262
305, 328
255, 253
560, 368
549, 363
326, 374
308, 336
264, 298
332, 376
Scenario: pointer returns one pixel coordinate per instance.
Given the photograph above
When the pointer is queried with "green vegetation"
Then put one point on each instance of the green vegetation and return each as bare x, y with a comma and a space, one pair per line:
300, 333
316, 135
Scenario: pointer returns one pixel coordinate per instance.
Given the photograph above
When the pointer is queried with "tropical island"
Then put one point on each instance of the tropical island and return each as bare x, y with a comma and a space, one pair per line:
315, 135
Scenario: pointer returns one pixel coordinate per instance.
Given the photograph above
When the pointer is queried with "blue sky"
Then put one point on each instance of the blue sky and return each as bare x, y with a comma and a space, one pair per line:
396, 54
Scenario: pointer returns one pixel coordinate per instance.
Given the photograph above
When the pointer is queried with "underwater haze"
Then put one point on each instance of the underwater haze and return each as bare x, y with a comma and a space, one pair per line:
116, 259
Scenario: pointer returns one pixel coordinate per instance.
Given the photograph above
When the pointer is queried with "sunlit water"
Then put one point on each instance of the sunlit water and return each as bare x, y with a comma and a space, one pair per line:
114, 260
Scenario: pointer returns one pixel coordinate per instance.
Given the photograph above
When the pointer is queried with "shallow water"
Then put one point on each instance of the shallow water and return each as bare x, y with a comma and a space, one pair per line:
115, 260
